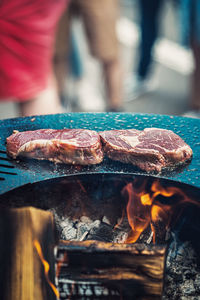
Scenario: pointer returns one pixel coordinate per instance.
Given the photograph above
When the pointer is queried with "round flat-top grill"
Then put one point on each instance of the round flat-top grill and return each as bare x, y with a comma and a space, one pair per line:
16, 173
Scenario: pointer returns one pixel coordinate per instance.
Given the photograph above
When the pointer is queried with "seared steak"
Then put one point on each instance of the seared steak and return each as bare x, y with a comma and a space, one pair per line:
151, 149
70, 146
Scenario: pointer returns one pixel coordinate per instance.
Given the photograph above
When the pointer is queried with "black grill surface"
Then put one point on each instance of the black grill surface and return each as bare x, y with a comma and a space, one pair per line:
16, 173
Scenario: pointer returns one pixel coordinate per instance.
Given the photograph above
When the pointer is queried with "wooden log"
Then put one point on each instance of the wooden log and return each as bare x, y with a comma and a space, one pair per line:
112, 271
23, 233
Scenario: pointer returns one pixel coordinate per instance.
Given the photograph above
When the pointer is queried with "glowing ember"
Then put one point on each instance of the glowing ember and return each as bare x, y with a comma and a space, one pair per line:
145, 209
46, 267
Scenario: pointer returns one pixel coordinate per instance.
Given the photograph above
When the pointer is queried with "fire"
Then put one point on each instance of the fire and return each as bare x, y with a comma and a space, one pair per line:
138, 211
145, 208
46, 267
146, 199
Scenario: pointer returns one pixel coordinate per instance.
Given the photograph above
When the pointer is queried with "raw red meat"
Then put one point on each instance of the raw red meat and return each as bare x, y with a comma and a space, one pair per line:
70, 146
151, 149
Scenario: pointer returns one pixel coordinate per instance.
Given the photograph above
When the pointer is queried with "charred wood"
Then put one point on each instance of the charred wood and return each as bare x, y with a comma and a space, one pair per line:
119, 271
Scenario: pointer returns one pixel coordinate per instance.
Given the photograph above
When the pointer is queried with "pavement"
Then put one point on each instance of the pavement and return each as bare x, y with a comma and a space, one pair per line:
171, 70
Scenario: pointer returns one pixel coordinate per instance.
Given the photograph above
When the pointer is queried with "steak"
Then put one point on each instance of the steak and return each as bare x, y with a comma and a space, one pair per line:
70, 146
151, 149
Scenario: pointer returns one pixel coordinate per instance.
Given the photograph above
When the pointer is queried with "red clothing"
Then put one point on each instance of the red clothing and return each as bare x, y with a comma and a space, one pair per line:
27, 32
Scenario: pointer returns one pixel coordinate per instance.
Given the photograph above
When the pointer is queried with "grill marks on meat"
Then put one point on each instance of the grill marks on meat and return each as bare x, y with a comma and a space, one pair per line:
151, 149
70, 146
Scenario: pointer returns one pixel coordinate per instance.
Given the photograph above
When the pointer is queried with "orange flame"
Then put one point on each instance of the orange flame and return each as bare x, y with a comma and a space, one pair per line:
144, 208
138, 212
46, 267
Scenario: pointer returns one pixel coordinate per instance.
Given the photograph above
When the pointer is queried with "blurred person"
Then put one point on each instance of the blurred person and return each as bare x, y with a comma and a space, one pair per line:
27, 33
190, 22
81, 90
139, 82
75, 59
72, 63
99, 20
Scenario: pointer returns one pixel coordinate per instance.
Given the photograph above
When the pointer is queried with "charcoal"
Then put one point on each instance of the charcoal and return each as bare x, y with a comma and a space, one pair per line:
105, 220
197, 283
188, 288
85, 219
182, 280
69, 233
101, 232
81, 230
120, 236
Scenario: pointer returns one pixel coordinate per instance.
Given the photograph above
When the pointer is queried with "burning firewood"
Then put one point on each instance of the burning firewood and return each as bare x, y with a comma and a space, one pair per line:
116, 271
26, 255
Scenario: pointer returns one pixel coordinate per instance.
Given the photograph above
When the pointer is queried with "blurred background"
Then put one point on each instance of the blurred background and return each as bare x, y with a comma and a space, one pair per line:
167, 88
